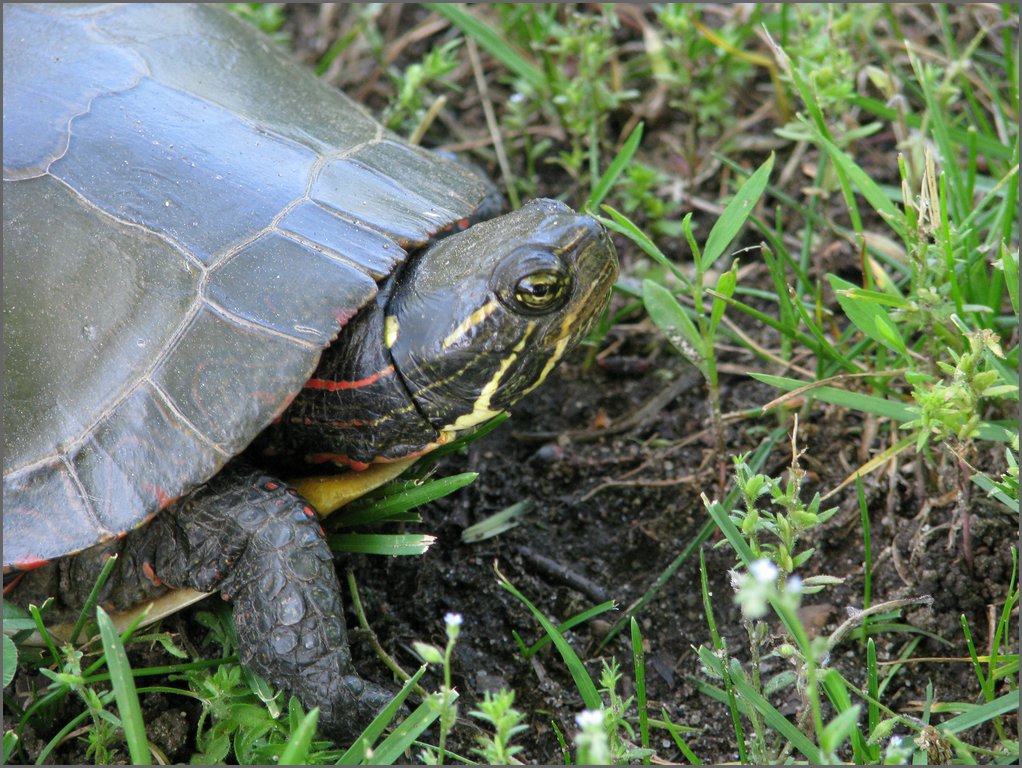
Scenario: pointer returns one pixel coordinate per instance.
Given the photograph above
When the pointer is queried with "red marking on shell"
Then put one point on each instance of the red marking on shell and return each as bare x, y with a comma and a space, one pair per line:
309, 511
342, 316
333, 386
149, 573
271, 486
163, 499
30, 563
464, 224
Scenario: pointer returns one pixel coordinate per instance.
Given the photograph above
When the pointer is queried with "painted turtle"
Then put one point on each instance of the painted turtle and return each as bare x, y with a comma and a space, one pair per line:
190, 219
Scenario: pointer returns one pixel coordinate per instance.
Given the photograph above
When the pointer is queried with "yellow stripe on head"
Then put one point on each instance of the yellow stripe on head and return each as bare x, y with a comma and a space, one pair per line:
468, 323
481, 410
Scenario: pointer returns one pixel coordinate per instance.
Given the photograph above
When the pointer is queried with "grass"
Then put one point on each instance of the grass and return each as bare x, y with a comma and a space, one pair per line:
885, 133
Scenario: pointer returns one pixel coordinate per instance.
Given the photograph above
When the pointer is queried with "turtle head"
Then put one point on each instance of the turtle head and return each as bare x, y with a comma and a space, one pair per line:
480, 318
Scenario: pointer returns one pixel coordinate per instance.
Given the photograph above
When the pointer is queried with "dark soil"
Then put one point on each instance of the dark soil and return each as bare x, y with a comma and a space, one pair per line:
613, 508
612, 513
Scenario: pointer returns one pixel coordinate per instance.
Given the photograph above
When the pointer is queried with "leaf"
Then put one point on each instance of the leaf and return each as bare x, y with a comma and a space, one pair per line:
868, 188
620, 223
297, 750
872, 404
494, 42
381, 543
726, 285
123, 683
10, 660
496, 523
735, 214
620, 162
672, 319
867, 315
982, 713
413, 495
839, 729
750, 697
584, 683
408, 730
364, 743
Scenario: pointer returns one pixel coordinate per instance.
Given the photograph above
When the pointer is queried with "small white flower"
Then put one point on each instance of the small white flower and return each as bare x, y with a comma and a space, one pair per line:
589, 718
453, 619
793, 585
764, 571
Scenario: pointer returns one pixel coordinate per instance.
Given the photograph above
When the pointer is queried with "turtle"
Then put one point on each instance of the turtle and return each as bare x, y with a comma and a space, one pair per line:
215, 264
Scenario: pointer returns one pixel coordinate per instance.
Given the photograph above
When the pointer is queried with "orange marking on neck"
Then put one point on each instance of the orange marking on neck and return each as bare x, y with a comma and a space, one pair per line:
336, 458
333, 386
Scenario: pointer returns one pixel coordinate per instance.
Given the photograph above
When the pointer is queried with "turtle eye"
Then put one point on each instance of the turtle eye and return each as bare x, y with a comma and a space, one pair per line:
541, 290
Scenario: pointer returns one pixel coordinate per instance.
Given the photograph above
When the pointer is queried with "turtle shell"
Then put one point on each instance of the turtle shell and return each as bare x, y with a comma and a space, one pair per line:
189, 219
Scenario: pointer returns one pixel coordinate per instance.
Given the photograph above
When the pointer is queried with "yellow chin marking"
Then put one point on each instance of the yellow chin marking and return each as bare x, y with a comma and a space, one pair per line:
476, 318
481, 410
390, 328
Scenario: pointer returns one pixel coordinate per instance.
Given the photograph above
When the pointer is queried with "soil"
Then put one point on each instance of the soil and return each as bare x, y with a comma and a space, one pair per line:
617, 491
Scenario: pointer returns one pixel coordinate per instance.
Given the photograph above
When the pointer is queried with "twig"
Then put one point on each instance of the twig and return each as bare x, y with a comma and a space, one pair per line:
565, 574
374, 641
637, 418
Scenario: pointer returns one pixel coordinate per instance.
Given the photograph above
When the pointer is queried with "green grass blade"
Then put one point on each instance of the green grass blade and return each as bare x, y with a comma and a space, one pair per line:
584, 683
675, 733
564, 626
983, 713
671, 318
494, 42
621, 224
123, 684
620, 162
381, 543
10, 744
872, 404
639, 663
869, 189
868, 315
408, 730
987, 145
90, 601
297, 750
413, 495
364, 743
837, 691
750, 697
731, 221
1008, 262
497, 523
731, 533
872, 692
718, 647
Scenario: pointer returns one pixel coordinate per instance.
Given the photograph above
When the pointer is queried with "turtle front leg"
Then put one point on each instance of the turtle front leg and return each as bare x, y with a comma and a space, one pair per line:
259, 543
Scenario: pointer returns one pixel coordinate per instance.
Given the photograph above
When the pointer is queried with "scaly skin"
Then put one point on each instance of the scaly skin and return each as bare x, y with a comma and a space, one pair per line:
258, 542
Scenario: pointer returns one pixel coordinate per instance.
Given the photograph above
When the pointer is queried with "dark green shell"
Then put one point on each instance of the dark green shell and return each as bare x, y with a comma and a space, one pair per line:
189, 219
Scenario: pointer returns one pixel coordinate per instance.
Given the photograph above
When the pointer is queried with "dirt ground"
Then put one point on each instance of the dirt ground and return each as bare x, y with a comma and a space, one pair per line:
611, 513
614, 507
